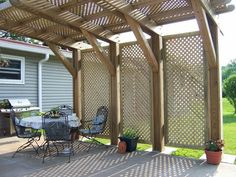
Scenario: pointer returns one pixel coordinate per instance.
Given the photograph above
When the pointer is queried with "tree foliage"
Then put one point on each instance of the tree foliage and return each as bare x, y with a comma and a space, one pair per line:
230, 90
227, 71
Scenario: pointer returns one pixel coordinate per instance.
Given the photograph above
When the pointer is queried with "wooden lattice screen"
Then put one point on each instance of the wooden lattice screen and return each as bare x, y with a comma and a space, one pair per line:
136, 105
96, 86
185, 91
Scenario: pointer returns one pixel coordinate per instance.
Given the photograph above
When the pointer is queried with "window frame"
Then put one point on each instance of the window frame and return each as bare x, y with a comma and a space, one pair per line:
22, 69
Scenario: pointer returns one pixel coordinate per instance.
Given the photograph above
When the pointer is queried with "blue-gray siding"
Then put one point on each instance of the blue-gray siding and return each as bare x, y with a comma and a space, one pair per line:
29, 88
57, 82
57, 85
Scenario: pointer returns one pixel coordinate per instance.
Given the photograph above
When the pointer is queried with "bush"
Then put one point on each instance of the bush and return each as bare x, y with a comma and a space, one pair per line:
230, 90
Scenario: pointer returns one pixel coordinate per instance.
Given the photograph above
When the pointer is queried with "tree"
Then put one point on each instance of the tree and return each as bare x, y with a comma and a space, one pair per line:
227, 71
230, 90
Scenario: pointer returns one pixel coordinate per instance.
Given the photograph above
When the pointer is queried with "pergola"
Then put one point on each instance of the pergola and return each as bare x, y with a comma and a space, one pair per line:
67, 23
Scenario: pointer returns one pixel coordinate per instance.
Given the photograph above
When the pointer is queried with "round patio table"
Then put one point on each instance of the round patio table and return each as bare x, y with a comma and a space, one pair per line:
35, 122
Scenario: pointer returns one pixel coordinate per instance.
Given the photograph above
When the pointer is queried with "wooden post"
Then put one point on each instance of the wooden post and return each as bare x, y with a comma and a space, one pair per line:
115, 94
214, 89
77, 83
158, 97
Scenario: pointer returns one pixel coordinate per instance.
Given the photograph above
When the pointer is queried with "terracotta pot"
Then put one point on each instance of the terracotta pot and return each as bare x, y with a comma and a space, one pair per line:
213, 157
122, 147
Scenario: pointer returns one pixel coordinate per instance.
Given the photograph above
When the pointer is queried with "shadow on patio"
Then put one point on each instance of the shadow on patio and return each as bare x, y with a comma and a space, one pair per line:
100, 161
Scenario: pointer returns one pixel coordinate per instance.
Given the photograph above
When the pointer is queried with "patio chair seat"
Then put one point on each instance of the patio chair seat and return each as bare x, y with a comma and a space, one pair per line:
88, 131
28, 134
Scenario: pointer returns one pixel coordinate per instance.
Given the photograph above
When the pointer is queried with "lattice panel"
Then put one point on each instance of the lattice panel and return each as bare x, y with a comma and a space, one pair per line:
96, 85
186, 91
136, 107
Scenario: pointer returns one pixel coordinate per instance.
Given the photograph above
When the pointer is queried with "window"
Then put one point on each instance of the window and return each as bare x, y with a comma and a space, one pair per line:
14, 72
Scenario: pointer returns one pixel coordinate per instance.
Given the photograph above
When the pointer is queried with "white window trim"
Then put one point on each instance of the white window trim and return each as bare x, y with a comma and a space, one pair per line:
12, 81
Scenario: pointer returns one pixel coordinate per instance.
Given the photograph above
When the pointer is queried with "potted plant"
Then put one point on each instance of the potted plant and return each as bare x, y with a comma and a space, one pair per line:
213, 151
130, 137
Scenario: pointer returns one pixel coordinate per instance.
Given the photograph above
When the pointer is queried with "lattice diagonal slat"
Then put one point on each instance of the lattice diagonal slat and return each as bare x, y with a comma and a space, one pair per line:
186, 91
136, 107
96, 85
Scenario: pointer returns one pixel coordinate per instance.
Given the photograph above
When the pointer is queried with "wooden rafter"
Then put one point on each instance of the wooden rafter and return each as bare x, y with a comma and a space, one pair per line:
201, 17
172, 12
63, 59
147, 3
137, 30
125, 8
99, 51
55, 14
102, 18
206, 5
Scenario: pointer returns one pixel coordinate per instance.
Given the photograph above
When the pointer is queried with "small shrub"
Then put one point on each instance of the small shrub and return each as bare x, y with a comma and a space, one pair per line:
130, 133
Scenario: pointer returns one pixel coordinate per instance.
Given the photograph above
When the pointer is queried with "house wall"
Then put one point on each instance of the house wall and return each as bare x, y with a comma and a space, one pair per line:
57, 81
57, 85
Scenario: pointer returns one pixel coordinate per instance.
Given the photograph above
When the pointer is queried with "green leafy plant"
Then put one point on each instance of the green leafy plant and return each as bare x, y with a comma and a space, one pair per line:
130, 133
214, 145
4, 104
230, 90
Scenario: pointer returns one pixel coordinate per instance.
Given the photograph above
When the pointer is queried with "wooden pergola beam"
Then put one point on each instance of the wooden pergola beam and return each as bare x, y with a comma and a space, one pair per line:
148, 53
206, 5
54, 14
147, 3
99, 51
124, 8
77, 90
157, 97
115, 94
201, 17
214, 97
63, 59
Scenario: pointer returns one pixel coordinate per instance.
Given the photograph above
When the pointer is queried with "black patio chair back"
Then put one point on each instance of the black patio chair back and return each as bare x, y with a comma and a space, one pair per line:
95, 126
99, 122
25, 132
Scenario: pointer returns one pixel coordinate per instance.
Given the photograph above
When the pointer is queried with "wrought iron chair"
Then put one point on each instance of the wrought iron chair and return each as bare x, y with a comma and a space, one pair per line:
26, 133
57, 133
95, 126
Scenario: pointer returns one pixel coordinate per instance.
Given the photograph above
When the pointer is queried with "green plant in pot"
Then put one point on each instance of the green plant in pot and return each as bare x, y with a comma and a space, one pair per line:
131, 137
213, 151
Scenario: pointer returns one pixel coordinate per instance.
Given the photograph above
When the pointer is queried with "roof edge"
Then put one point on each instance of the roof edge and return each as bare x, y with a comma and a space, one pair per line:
27, 47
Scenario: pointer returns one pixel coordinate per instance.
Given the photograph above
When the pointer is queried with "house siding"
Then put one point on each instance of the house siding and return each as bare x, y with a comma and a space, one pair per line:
57, 85
56, 81
30, 88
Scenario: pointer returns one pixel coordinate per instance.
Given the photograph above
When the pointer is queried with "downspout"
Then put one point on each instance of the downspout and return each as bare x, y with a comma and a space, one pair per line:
46, 58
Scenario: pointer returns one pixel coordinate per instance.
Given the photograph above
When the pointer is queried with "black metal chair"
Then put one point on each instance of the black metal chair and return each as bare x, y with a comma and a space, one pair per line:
26, 133
96, 126
57, 133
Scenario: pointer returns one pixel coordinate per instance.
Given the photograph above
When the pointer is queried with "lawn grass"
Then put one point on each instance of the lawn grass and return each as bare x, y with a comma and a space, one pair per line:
229, 120
102, 140
185, 152
143, 147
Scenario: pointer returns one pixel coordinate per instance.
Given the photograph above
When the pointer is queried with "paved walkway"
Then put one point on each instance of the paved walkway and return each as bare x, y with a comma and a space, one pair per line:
102, 162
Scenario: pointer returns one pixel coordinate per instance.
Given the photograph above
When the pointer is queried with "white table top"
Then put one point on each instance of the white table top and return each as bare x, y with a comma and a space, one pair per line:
35, 122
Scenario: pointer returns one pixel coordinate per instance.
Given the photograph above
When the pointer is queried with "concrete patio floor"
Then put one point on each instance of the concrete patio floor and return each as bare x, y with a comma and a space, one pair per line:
102, 162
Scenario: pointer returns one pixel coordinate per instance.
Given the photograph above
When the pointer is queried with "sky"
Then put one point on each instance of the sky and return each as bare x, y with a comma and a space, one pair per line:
227, 41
